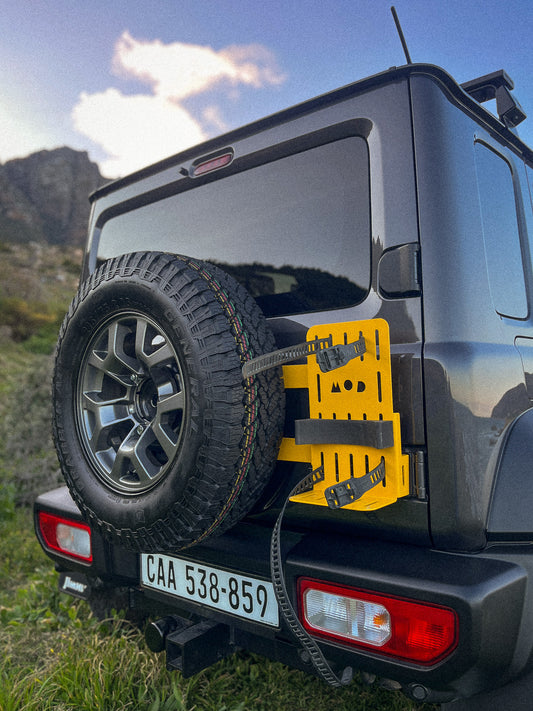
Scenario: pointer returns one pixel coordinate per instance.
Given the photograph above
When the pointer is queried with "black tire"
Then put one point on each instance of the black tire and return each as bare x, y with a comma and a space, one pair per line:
160, 440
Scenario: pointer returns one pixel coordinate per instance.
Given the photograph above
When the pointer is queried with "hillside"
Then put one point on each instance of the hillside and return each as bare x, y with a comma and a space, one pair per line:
37, 282
44, 211
44, 197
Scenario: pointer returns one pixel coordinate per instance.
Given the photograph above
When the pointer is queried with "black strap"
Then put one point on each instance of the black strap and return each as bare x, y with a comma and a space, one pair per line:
284, 355
345, 492
328, 356
378, 434
320, 663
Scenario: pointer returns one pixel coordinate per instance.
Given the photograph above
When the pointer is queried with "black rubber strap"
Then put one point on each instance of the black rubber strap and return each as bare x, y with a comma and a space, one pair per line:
318, 660
337, 356
345, 492
328, 356
378, 434
284, 355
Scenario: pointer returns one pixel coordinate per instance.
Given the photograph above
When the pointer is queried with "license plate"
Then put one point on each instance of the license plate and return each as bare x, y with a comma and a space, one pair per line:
241, 595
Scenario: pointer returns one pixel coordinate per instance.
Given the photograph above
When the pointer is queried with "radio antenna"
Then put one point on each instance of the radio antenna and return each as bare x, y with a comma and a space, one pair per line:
400, 33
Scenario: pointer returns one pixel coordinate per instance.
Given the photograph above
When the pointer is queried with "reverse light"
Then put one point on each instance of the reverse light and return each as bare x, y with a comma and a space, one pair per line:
70, 538
414, 631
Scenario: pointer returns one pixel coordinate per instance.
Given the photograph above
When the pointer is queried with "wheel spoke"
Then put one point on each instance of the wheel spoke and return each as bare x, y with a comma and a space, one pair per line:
132, 467
166, 438
141, 328
170, 404
163, 432
154, 352
107, 414
113, 361
164, 354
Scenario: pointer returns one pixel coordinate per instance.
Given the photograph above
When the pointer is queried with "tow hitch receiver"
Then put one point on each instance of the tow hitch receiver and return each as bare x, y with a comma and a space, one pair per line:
190, 647
352, 438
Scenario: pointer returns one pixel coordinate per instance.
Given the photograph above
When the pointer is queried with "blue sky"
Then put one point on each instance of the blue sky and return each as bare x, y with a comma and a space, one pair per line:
133, 81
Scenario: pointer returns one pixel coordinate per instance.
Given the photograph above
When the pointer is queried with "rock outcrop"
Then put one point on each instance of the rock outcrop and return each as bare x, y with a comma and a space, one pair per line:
44, 197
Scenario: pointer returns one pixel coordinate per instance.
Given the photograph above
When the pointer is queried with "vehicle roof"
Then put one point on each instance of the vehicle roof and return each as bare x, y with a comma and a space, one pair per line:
391, 75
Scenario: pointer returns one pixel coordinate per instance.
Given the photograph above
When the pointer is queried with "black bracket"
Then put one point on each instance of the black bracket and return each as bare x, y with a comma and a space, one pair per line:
345, 492
497, 85
335, 357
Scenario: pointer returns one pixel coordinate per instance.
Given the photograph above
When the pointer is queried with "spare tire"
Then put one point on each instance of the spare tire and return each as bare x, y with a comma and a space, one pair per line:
160, 440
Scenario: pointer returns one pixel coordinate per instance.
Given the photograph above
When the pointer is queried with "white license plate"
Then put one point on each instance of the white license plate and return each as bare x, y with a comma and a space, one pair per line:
241, 595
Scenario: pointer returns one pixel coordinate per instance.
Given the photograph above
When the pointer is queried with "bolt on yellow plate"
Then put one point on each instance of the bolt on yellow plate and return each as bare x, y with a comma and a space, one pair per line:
352, 438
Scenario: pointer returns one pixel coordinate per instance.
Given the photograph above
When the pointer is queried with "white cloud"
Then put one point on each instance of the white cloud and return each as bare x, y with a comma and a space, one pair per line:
212, 116
138, 129
21, 133
134, 130
180, 70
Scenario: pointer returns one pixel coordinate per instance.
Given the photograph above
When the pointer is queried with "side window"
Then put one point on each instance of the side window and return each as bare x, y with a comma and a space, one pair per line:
500, 233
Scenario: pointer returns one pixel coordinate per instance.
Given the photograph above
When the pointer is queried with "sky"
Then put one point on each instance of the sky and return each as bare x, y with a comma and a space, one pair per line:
132, 82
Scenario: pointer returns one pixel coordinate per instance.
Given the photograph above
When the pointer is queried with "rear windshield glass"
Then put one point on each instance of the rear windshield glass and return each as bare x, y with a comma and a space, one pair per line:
295, 231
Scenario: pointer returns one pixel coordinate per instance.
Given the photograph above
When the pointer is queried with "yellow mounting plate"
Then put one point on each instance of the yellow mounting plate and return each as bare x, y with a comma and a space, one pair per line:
360, 390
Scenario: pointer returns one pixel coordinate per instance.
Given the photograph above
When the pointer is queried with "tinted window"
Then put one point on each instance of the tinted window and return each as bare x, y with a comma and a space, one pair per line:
500, 233
295, 231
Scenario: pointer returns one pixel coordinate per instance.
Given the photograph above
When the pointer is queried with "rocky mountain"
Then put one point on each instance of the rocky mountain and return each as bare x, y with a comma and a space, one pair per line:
44, 197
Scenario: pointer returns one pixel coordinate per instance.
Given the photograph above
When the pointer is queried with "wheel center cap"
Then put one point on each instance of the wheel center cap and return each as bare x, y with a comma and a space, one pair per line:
146, 399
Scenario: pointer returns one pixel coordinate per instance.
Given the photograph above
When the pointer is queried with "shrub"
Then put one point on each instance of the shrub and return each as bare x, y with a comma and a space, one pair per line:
24, 319
30, 463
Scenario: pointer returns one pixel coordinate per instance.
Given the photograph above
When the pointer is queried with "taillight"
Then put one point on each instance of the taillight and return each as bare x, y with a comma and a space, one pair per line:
207, 166
411, 630
65, 536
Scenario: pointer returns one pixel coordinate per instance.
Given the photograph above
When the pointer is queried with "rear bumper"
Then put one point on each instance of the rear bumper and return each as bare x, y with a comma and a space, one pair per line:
488, 591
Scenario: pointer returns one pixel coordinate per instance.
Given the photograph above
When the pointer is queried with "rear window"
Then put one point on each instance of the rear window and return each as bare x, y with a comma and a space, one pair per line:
294, 231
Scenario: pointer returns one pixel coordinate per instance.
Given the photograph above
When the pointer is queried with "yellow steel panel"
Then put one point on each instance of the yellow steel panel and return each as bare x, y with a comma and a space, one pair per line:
359, 390
289, 451
295, 376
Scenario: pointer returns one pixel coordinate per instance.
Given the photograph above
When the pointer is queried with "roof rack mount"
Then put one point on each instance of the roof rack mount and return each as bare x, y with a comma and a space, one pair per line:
497, 86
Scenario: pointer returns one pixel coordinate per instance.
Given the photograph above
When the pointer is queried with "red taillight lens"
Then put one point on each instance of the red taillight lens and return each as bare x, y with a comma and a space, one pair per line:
70, 538
212, 164
414, 631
